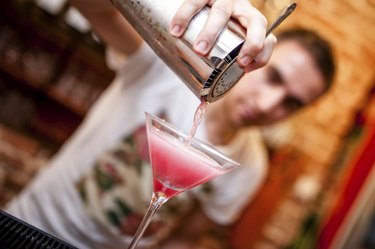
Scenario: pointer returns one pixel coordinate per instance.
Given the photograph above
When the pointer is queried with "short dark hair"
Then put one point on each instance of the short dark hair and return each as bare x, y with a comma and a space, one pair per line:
319, 48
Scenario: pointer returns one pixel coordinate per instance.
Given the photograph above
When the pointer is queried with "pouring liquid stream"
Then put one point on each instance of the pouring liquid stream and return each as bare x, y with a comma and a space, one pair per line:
198, 117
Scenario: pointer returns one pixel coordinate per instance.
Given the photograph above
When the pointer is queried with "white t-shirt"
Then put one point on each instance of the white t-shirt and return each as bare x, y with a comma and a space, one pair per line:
101, 179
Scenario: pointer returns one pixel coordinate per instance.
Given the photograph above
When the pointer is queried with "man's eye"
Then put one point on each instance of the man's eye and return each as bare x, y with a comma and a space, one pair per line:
273, 75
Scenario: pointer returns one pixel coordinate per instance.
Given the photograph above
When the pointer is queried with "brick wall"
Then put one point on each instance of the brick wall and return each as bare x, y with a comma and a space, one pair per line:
320, 129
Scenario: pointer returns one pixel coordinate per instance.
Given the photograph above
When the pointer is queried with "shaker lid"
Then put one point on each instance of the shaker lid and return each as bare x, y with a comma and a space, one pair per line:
226, 74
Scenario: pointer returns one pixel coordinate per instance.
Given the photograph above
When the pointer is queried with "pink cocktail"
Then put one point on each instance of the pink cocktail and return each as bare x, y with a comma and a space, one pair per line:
177, 166
179, 163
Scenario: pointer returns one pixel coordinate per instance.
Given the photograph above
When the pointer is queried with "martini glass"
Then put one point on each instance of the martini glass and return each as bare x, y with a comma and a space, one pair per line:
178, 163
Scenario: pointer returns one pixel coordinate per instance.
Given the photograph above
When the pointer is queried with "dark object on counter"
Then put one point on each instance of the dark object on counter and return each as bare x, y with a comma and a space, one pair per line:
15, 233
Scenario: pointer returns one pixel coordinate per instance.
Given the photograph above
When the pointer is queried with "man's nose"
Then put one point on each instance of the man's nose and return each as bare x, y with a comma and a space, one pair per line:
271, 98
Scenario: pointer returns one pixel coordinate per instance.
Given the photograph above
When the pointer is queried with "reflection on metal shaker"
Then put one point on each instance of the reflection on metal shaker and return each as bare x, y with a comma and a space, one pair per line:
208, 77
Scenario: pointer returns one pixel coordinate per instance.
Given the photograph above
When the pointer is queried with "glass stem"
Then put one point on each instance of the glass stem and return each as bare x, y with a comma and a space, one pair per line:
157, 200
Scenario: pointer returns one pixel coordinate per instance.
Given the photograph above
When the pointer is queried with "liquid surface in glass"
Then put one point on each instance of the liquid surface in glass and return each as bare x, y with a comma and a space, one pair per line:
177, 166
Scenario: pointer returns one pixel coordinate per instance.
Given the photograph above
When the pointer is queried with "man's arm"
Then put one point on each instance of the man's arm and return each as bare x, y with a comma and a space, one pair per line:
115, 31
109, 24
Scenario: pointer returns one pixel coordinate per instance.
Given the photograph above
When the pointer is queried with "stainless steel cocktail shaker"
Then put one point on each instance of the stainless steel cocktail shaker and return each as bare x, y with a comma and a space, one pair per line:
208, 77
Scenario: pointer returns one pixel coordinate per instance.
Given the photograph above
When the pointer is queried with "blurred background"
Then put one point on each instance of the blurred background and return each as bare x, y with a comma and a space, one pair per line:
320, 192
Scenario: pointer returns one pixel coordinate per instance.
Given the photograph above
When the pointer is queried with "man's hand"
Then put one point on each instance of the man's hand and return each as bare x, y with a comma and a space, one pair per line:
256, 50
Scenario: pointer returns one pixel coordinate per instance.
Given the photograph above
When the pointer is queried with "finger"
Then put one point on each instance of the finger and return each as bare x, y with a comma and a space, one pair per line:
264, 56
219, 15
255, 38
242, 10
184, 14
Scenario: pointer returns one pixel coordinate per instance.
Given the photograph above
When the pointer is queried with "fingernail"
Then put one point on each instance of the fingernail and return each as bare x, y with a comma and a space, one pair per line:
202, 47
176, 30
245, 60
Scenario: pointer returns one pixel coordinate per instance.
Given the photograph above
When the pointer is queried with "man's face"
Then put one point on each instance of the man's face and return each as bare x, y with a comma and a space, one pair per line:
288, 82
